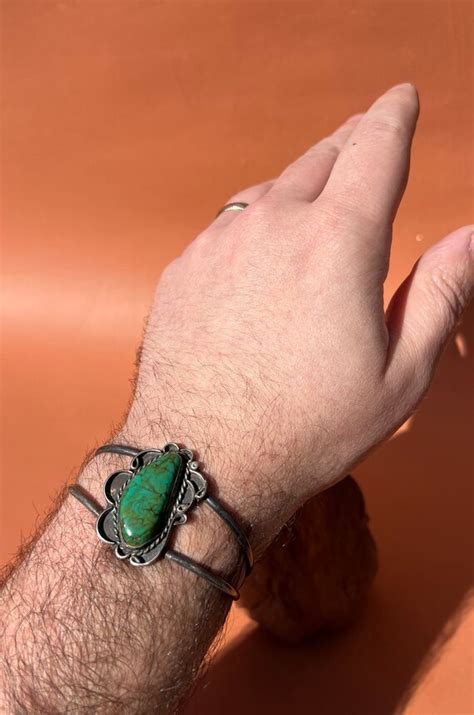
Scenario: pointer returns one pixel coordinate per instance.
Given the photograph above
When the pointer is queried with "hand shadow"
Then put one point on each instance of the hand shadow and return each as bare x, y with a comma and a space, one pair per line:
418, 490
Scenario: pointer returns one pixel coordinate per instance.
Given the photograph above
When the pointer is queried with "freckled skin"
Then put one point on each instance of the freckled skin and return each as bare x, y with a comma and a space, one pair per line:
147, 500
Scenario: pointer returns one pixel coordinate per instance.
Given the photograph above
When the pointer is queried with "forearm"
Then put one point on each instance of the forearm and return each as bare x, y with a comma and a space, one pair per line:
86, 632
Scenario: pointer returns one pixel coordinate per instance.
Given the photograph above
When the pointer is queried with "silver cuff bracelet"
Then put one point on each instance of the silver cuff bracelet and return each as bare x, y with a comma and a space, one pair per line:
147, 500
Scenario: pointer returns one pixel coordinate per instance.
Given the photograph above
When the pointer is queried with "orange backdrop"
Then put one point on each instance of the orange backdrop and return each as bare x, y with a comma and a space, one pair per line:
126, 124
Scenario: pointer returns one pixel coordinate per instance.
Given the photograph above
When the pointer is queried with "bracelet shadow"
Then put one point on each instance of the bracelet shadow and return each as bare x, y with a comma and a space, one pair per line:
419, 494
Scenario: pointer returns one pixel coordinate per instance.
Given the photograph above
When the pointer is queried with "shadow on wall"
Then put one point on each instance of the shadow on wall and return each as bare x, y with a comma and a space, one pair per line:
419, 494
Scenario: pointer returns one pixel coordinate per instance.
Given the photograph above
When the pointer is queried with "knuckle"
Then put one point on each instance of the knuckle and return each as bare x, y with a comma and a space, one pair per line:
341, 212
257, 220
259, 211
325, 150
406, 388
169, 271
390, 126
250, 194
448, 288
416, 376
326, 147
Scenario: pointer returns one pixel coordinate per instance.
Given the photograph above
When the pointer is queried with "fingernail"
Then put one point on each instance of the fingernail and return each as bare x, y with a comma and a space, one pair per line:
405, 85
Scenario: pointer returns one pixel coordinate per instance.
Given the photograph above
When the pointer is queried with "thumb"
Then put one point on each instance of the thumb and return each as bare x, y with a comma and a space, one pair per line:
426, 308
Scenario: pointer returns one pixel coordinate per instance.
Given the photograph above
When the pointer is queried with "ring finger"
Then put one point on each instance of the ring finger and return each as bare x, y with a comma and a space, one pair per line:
247, 196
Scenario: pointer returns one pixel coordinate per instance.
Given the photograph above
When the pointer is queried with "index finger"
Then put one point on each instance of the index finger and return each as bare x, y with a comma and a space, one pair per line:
370, 174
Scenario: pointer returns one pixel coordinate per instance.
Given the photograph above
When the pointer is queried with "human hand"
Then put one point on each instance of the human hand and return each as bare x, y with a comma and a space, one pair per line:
268, 350
269, 354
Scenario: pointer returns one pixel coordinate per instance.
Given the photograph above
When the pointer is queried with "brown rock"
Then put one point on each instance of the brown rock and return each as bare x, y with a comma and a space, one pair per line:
317, 572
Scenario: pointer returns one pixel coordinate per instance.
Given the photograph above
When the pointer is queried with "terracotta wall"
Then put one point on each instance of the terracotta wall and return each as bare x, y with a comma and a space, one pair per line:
125, 125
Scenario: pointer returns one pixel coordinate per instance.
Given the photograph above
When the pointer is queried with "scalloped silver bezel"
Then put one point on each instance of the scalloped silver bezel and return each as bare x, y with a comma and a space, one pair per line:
192, 490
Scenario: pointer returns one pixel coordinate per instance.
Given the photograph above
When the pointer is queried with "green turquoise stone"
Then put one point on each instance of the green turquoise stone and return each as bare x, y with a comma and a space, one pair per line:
148, 498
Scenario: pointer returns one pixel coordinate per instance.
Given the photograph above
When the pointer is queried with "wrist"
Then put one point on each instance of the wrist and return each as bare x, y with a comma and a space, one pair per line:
227, 471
